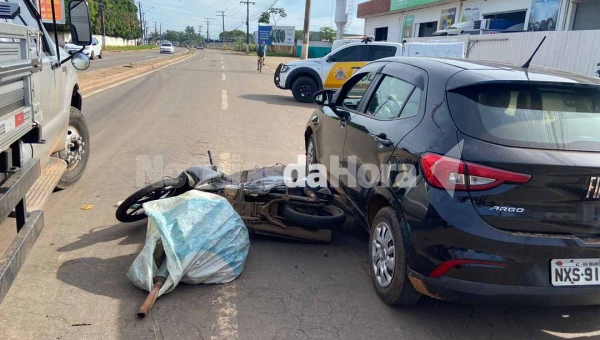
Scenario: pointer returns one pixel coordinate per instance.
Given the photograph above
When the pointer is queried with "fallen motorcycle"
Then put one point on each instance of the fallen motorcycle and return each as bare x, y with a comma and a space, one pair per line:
263, 200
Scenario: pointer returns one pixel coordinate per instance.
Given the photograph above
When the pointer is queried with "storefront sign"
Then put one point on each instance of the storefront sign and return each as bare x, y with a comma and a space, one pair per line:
471, 13
404, 4
447, 18
407, 26
544, 15
46, 11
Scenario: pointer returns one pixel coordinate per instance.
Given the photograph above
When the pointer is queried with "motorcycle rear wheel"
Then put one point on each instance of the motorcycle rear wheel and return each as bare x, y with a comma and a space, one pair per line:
131, 210
328, 217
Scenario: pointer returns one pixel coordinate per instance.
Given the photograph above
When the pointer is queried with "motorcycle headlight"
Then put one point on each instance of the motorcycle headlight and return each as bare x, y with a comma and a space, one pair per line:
284, 69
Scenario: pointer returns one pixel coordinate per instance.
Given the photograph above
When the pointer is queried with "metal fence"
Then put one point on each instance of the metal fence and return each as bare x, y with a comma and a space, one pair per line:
574, 51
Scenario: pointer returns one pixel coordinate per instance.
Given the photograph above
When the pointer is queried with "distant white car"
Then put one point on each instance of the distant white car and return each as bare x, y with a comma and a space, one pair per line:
167, 47
92, 51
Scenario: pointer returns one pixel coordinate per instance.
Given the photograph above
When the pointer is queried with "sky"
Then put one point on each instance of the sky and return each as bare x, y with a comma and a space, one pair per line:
177, 14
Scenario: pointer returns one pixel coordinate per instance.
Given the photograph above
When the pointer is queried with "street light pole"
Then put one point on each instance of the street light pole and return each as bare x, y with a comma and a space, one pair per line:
306, 35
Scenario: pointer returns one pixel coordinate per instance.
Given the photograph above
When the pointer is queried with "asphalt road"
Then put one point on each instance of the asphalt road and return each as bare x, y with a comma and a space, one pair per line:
112, 59
74, 284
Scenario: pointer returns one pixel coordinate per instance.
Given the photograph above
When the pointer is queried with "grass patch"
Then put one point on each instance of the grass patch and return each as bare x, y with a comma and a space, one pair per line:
130, 48
274, 54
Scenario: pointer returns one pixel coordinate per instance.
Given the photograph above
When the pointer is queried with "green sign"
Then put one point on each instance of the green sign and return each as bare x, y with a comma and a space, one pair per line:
407, 26
405, 4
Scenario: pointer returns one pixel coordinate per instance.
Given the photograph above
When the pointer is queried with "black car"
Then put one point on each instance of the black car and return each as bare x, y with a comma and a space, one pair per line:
476, 180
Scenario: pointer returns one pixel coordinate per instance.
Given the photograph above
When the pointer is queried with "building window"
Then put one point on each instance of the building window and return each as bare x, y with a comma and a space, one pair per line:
381, 34
426, 29
586, 16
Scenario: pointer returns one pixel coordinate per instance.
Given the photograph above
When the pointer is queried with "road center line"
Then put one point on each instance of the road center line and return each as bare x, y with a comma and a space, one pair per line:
224, 78
224, 104
225, 326
223, 67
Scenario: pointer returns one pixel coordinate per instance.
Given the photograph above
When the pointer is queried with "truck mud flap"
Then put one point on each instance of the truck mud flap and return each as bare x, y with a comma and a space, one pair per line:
276, 77
29, 226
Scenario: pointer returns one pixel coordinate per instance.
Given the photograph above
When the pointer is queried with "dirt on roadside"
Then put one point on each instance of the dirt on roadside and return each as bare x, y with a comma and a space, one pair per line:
91, 81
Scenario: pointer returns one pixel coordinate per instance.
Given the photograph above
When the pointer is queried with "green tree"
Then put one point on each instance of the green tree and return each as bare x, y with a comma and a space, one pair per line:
234, 34
328, 34
272, 15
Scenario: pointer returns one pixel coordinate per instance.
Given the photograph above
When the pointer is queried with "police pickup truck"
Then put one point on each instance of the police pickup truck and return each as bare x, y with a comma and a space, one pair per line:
305, 77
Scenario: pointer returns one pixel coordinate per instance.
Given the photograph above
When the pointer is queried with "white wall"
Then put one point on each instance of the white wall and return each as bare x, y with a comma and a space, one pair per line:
110, 41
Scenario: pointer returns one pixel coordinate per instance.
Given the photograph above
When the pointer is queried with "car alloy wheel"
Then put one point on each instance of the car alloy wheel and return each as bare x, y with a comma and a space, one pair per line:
383, 254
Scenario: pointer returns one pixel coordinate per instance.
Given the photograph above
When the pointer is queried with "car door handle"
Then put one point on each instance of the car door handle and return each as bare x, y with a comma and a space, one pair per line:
383, 140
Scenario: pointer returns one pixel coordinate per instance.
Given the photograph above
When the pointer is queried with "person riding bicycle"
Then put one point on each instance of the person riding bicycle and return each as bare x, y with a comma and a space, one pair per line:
261, 51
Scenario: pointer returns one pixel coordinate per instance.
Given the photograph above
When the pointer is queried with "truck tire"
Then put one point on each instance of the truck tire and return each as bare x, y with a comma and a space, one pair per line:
78, 145
303, 89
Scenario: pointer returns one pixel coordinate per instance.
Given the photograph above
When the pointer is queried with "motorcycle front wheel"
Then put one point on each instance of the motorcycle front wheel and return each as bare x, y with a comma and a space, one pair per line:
328, 217
131, 210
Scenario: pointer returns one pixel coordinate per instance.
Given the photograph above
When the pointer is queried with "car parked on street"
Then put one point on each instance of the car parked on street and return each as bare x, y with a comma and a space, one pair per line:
167, 47
92, 51
200, 47
489, 182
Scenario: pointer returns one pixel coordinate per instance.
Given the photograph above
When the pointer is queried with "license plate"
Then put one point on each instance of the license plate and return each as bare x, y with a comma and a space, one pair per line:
575, 272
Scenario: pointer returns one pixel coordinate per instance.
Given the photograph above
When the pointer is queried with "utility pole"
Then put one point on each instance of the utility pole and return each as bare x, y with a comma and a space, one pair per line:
141, 23
306, 35
247, 24
222, 15
102, 23
161, 37
208, 20
199, 31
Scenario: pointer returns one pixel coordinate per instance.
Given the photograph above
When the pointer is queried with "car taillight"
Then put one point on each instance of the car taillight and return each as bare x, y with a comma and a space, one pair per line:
449, 173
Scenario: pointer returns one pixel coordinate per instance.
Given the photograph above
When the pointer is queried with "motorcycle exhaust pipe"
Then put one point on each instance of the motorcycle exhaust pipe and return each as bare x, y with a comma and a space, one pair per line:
159, 280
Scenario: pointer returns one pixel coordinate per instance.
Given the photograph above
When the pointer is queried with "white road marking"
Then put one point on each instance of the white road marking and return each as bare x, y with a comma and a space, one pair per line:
573, 335
224, 78
225, 326
223, 67
224, 104
221, 61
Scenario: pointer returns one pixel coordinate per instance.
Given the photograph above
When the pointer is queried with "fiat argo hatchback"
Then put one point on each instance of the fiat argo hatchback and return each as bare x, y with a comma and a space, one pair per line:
476, 180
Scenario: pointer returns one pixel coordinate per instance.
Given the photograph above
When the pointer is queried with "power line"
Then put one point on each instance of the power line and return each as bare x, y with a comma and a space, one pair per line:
222, 15
208, 20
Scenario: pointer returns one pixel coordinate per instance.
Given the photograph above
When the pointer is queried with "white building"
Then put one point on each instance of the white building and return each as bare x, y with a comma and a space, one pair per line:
395, 20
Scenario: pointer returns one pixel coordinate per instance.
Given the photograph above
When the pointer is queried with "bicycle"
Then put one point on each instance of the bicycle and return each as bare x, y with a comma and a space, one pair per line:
261, 61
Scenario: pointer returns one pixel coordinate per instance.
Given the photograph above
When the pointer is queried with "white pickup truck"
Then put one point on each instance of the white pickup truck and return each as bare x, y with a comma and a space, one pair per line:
44, 140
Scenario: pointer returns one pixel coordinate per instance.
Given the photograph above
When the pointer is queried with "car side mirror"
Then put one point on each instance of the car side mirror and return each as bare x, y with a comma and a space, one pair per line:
323, 97
81, 25
330, 59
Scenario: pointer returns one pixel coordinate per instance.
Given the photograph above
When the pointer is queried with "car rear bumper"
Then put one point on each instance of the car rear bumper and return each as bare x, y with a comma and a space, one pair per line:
451, 289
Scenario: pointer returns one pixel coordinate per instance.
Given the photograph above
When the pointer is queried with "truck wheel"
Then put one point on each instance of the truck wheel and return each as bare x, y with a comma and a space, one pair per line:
389, 265
303, 89
77, 150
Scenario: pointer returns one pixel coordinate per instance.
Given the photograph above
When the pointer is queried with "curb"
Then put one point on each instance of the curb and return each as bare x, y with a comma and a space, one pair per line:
102, 85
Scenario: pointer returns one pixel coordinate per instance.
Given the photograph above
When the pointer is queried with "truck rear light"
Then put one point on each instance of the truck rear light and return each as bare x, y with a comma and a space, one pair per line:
449, 173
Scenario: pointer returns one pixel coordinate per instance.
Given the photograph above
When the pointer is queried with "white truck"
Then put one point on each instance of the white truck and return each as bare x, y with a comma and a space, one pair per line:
44, 140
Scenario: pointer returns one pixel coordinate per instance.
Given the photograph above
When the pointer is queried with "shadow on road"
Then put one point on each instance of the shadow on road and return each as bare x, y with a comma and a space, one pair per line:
275, 100
132, 233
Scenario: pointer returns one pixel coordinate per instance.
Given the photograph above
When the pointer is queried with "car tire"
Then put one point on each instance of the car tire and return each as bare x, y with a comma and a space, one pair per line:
100, 55
311, 152
303, 89
394, 288
75, 168
92, 56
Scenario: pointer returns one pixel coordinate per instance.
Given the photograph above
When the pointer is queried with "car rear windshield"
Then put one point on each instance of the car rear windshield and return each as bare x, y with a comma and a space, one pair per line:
565, 117
166, 45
